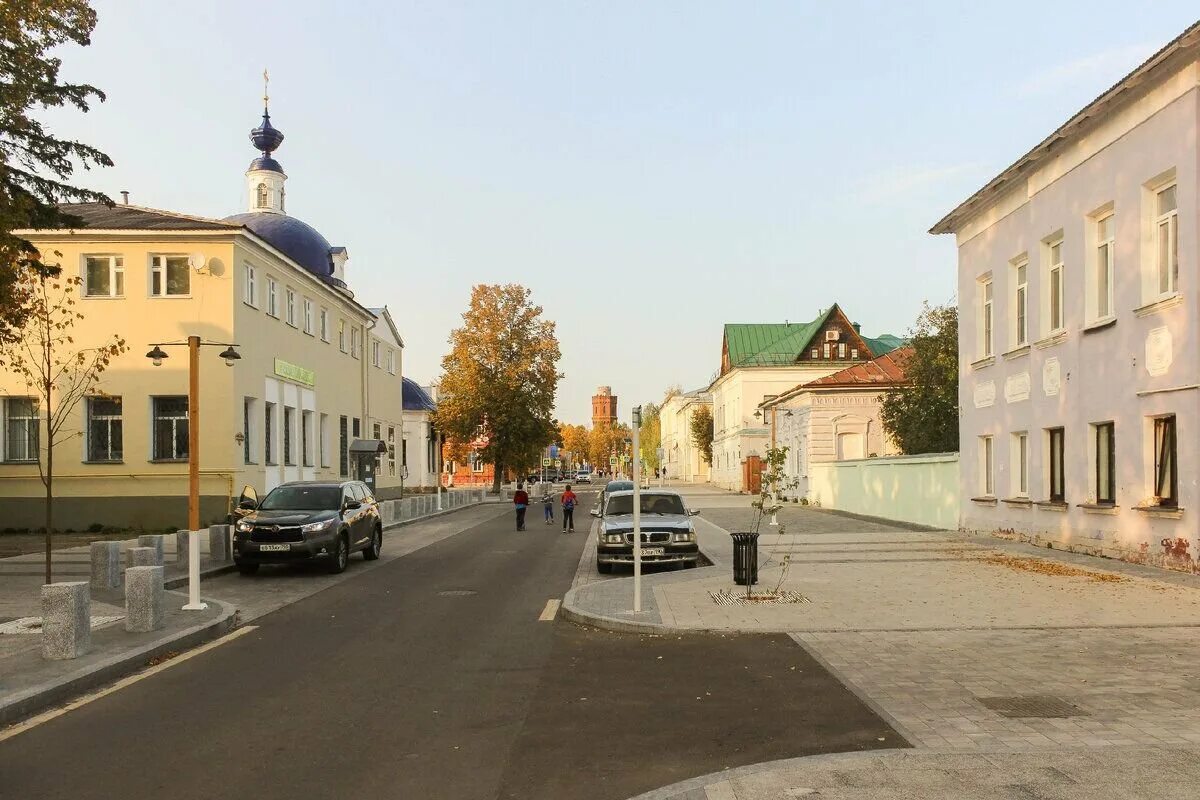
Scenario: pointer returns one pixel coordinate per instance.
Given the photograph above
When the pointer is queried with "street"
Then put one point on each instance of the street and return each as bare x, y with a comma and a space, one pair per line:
432, 676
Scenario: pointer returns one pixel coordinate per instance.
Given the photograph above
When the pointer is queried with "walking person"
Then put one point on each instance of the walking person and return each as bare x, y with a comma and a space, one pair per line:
548, 504
521, 501
568, 508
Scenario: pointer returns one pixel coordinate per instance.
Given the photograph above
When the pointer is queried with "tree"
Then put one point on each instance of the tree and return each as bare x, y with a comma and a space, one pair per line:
574, 439
701, 428
34, 165
47, 360
607, 440
650, 436
500, 378
922, 417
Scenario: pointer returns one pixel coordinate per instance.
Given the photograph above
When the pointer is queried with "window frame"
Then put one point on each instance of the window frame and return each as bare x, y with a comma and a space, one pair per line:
1056, 443
32, 430
306, 455
987, 313
355, 342
289, 438
391, 361
1104, 443
1055, 280
250, 285
90, 417
324, 324
376, 354
272, 297
269, 430
1020, 303
1104, 265
160, 268
987, 464
342, 344
1170, 220
306, 312
1019, 461
1166, 475
289, 306
156, 417
116, 276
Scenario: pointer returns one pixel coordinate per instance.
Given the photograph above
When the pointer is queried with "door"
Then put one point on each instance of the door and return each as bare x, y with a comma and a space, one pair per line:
360, 526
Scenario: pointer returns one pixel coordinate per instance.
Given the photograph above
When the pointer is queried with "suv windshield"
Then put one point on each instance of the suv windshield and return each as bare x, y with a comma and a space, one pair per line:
651, 504
303, 498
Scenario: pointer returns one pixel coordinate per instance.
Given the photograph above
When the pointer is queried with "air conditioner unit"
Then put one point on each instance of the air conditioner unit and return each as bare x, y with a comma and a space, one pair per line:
832, 336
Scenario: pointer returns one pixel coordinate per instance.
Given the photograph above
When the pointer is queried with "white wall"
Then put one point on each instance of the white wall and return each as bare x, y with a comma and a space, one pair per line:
919, 489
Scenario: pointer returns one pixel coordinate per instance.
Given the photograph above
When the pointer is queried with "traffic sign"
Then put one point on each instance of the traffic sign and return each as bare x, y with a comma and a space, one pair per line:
612, 461
558, 463
545, 462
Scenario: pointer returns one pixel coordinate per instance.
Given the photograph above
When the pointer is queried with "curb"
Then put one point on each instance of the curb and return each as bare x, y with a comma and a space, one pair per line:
442, 513
210, 572
13, 709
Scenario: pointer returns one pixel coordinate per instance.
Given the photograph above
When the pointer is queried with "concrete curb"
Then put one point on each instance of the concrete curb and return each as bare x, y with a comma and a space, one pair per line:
209, 572
894, 523
65, 687
401, 523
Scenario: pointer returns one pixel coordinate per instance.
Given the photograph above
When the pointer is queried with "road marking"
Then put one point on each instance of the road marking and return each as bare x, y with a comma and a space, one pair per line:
33, 722
549, 611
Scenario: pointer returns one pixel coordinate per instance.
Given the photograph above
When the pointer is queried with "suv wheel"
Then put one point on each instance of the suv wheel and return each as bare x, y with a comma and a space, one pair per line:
372, 551
341, 555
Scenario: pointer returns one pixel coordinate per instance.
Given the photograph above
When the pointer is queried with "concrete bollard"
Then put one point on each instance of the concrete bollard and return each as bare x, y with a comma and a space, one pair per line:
181, 548
154, 540
106, 565
389, 511
140, 557
218, 543
145, 603
66, 620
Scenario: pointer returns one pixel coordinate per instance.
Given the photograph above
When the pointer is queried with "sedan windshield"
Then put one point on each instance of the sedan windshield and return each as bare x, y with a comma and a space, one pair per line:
651, 504
303, 498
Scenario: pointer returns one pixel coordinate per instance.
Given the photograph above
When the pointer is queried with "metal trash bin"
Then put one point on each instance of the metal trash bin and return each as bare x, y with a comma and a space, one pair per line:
745, 558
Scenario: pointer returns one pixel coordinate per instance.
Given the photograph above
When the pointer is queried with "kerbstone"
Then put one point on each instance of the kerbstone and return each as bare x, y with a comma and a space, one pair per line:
106, 565
218, 543
145, 604
66, 620
155, 541
140, 557
182, 548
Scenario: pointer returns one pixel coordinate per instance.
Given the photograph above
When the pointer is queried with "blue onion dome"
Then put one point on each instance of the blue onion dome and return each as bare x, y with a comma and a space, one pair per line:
297, 240
266, 138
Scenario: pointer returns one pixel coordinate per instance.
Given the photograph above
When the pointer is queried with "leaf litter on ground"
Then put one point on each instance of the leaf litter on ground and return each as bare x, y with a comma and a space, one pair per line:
1044, 567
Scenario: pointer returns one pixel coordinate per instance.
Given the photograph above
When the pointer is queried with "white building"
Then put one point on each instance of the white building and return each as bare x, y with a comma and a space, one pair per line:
681, 458
422, 442
1078, 354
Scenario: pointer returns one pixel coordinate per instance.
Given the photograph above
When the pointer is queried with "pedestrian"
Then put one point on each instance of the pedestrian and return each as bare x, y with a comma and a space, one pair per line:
568, 507
521, 501
548, 504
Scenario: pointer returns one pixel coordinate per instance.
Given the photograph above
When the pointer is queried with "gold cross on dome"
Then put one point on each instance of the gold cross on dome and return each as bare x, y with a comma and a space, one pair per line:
266, 83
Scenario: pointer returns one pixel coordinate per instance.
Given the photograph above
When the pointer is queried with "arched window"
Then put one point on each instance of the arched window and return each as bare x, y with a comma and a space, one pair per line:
282, 195
263, 195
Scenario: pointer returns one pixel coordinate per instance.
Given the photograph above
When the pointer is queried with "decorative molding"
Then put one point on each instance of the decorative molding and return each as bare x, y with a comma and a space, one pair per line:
1017, 352
1056, 506
1100, 324
985, 394
1186, 388
1159, 351
984, 501
1162, 304
1023, 502
983, 362
1051, 377
1016, 388
1160, 512
1051, 340
1098, 508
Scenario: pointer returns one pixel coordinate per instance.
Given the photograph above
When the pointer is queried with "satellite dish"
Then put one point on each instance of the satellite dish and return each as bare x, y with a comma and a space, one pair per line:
197, 261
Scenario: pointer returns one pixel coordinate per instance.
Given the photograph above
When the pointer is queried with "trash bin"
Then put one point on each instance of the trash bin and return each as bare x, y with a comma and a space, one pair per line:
745, 558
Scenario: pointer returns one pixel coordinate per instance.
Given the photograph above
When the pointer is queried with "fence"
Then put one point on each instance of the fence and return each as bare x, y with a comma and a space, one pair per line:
918, 489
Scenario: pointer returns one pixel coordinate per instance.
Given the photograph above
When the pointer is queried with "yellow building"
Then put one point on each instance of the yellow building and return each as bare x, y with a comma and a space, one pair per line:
317, 369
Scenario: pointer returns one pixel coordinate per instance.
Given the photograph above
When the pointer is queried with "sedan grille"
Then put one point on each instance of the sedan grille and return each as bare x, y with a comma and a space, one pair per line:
650, 537
276, 533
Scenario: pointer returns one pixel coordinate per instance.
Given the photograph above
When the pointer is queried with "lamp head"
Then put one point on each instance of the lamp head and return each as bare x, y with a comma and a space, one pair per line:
230, 355
156, 356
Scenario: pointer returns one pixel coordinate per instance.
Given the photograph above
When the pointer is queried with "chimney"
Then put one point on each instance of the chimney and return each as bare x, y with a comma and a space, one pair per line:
857, 327
125, 197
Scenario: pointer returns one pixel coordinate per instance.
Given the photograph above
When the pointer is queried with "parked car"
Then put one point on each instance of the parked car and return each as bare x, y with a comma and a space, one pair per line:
306, 520
613, 486
668, 535
583, 477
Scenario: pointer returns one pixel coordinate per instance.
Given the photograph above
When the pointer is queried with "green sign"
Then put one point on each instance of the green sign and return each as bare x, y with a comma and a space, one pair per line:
294, 373
545, 462
612, 461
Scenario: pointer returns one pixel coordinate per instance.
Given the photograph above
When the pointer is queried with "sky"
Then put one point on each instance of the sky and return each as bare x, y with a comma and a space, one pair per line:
650, 170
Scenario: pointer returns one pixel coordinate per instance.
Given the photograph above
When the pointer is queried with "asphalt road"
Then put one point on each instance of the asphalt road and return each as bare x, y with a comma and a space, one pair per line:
431, 677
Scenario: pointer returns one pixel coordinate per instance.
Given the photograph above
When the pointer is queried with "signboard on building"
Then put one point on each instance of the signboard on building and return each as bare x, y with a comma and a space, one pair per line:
295, 373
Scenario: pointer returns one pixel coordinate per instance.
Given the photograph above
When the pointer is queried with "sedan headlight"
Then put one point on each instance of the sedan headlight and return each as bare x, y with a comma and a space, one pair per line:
686, 536
614, 538
244, 526
314, 527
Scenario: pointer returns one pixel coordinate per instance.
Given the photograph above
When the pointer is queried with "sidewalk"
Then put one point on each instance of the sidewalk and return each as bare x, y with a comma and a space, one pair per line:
1001, 663
29, 683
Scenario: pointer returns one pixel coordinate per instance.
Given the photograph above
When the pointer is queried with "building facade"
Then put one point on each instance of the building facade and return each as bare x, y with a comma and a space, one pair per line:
1077, 276
604, 407
761, 361
681, 458
304, 388
422, 443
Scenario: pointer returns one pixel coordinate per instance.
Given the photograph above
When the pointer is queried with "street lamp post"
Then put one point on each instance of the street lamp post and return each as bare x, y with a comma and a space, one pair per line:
637, 515
774, 519
156, 356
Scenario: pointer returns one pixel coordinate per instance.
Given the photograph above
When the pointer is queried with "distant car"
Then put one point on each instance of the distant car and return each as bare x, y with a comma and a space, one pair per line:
668, 535
583, 477
613, 486
308, 520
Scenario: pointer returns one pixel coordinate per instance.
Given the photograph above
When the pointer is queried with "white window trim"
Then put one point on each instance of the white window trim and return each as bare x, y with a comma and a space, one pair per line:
272, 298
324, 318
158, 265
391, 361
376, 356
307, 311
1171, 220
116, 266
1052, 266
987, 466
1019, 465
289, 306
1095, 220
343, 345
985, 347
1020, 299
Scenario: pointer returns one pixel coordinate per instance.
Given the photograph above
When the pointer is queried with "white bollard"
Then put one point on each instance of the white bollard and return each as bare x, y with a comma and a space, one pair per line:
194, 603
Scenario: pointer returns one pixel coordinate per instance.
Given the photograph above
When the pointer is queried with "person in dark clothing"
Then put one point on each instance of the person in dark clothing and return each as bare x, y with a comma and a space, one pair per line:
568, 509
521, 501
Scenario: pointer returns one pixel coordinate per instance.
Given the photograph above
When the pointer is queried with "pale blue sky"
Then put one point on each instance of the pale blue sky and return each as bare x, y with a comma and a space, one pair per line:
650, 170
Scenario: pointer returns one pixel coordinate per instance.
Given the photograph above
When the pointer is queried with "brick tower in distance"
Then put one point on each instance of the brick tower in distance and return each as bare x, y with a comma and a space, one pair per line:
604, 407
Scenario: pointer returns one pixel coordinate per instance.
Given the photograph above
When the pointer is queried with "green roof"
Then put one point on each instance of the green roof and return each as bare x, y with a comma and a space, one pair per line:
777, 344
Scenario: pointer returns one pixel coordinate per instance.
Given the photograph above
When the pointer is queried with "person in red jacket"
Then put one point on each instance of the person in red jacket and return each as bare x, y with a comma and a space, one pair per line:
568, 508
521, 501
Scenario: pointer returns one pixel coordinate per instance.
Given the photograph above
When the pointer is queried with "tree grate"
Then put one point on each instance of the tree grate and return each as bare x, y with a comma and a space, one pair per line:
725, 597
1032, 706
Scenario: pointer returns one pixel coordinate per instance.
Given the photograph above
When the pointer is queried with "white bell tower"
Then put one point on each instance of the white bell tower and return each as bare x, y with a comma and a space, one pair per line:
265, 177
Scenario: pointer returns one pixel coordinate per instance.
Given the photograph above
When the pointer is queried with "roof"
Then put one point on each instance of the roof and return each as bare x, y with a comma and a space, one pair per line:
99, 216
368, 446
777, 344
1074, 127
416, 398
886, 370
298, 240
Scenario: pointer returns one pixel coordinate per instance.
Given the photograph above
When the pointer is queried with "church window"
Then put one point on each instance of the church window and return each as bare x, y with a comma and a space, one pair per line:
263, 196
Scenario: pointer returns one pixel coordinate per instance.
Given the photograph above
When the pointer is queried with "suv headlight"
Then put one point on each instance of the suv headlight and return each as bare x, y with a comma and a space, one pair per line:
244, 526
614, 538
687, 536
313, 527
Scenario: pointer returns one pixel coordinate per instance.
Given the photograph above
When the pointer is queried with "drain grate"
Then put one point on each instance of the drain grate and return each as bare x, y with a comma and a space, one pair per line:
1032, 706
727, 598
456, 593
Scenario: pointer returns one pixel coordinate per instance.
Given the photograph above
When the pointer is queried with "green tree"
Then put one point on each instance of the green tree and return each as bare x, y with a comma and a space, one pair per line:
922, 416
701, 428
650, 436
500, 378
35, 166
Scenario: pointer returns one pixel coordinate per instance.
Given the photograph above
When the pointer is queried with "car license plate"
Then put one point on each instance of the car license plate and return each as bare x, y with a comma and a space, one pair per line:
274, 547
652, 551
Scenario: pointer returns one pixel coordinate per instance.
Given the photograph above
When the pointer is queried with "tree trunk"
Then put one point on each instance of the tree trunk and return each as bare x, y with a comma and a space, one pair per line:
49, 488
497, 476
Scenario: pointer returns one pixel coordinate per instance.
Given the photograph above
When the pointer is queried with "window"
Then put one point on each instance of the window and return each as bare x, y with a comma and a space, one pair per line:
404, 452
391, 447
355, 427
985, 349
375, 360
1021, 305
1020, 464
263, 196
1054, 287
1055, 440
1105, 460
272, 298
324, 325
1166, 234
170, 276
854, 352
104, 440
170, 428
391, 361
1103, 288
476, 462
268, 433
250, 289
323, 438
376, 431
21, 429
104, 276
342, 335
1166, 475
308, 316
247, 430
289, 421
841, 350
343, 448
986, 463
355, 341
827, 349
290, 308
306, 438
815, 353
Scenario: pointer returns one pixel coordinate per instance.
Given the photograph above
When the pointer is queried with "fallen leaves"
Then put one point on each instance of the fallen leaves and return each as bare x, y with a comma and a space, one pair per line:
1043, 567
